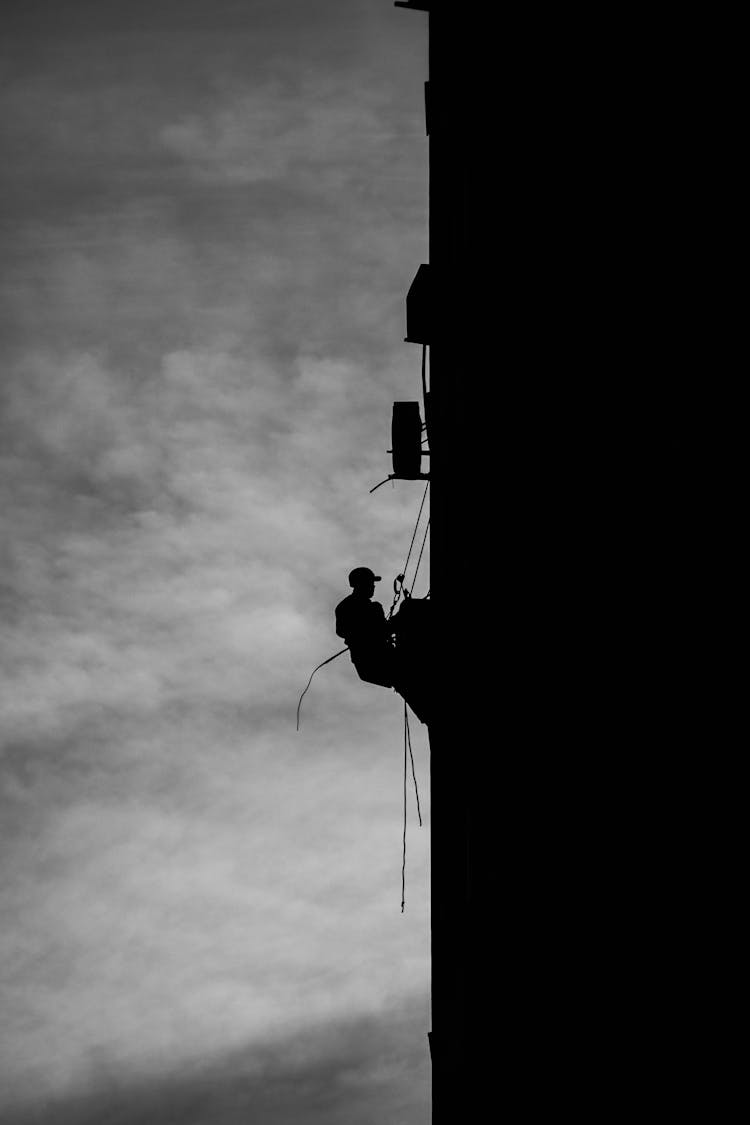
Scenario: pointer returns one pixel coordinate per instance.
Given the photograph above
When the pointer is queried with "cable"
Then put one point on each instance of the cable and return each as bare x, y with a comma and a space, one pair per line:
407, 743
413, 771
328, 661
390, 477
411, 546
403, 860
416, 572
416, 525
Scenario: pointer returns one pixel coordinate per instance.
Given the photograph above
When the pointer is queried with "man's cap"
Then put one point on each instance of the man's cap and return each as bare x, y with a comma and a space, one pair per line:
362, 574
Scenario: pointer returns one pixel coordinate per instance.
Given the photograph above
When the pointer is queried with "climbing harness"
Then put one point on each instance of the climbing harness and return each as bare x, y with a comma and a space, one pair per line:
322, 665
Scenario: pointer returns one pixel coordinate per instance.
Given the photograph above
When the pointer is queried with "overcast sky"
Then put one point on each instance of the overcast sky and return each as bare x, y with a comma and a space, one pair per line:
211, 213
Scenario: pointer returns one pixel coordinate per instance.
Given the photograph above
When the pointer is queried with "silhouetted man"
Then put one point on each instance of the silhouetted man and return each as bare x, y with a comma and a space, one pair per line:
362, 624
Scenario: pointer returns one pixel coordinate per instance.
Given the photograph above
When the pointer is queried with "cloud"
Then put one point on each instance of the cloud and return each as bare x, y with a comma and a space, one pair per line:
322, 133
351, 1072
186, 885
208, 239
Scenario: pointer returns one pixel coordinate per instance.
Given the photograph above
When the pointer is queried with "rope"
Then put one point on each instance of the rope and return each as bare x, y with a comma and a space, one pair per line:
403, 860
402, 576
413, 772
407, 743
416, 525
328, 661
416, 572
389, 477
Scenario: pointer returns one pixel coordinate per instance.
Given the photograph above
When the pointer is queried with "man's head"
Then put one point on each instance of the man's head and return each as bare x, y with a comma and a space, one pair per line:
362, 580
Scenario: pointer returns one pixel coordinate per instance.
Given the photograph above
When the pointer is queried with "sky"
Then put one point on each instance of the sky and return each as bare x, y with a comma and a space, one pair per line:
210, 214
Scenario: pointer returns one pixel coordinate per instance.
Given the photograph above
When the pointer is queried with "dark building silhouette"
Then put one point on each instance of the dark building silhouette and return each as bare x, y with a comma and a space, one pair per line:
571, 347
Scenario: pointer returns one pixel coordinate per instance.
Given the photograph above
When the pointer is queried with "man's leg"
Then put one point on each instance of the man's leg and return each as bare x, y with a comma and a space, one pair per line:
374, 667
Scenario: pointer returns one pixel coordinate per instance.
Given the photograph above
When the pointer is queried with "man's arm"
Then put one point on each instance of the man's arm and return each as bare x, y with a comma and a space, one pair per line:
340, 613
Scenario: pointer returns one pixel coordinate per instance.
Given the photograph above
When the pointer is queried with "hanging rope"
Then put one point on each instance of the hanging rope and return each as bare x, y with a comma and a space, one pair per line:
416, 572
407, 744
413, 771
328, 661
402, 576
389, 477
416, 525
403, 860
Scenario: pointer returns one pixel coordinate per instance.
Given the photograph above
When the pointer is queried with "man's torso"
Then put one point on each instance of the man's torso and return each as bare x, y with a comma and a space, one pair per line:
360, 622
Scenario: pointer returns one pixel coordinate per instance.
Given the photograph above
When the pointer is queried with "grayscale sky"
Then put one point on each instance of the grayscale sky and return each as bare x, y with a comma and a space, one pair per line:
210, 213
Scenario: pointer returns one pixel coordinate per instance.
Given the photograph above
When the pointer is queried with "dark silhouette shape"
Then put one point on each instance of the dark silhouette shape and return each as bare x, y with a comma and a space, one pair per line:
390, 653
406, 439
419, 308
362, 624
